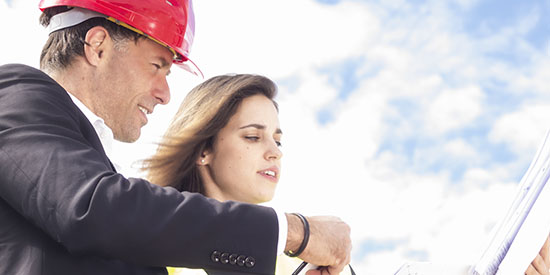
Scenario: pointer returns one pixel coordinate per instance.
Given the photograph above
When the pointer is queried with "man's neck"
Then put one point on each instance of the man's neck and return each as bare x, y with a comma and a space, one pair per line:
75, 80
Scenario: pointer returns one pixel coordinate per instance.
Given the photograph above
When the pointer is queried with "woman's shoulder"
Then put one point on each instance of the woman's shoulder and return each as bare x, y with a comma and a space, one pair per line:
185, 271
286, 265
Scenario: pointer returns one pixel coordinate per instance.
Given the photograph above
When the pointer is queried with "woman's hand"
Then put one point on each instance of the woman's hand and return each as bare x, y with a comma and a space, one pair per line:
541, 264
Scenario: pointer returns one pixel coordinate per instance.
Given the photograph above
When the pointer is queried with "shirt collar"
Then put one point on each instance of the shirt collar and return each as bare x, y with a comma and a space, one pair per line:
103, 131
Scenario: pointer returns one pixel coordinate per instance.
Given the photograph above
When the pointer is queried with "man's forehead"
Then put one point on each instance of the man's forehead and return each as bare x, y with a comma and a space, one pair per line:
153, 49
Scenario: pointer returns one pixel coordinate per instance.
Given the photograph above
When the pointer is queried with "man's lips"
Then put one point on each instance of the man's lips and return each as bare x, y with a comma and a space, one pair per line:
144, 110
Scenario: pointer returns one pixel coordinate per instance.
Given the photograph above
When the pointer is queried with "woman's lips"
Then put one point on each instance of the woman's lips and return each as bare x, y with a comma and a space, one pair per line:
270, 173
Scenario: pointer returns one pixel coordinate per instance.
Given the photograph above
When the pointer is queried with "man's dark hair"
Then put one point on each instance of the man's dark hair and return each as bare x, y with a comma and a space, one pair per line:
65, 44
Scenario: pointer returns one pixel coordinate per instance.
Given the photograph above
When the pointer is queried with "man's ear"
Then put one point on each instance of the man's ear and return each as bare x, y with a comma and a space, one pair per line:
204, 158
95, 44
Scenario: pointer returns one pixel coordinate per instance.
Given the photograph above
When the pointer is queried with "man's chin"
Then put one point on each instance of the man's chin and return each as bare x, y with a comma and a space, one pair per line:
128, 137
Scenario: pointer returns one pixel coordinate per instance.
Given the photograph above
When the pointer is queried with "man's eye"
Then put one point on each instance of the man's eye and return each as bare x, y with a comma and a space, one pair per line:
252, 138
279, 144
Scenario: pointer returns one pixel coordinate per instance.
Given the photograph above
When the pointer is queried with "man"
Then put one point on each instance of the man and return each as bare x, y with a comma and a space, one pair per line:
63, 207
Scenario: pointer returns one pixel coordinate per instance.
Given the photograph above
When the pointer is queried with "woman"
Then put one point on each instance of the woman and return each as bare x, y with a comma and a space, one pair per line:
224, 142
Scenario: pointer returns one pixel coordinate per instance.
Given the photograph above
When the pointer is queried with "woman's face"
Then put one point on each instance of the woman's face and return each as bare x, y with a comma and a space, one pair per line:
245, 161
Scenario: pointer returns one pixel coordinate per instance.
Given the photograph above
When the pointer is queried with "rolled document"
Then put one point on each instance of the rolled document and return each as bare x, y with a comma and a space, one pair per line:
428, 268
530, 189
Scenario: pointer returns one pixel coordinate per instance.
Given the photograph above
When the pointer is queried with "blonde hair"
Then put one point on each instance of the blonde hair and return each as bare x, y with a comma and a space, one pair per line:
202, 114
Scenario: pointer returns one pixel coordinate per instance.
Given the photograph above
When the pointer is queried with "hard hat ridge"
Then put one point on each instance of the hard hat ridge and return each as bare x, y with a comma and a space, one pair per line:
70, 18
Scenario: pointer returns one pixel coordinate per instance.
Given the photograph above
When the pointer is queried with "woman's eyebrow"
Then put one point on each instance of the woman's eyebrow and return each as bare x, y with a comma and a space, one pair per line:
254, 125
260, 127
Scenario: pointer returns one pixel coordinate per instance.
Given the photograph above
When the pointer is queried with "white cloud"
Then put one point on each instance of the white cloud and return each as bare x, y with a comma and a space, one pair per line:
458, 148
452, 109
522, 130
533, 77
277, 37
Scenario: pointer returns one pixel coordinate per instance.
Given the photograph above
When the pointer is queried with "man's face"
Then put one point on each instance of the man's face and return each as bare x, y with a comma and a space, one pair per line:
129, 84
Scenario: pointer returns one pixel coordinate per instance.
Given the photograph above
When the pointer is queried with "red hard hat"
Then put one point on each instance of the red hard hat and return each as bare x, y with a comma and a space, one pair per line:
170, 22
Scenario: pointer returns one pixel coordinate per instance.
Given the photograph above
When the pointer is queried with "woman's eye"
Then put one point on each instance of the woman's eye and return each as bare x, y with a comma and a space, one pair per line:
157, 66
279, 144
252, 138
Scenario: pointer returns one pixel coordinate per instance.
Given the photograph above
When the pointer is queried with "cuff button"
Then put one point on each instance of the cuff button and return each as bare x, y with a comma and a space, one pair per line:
249, 262
224, 258
215, 257
241, 260
233, 259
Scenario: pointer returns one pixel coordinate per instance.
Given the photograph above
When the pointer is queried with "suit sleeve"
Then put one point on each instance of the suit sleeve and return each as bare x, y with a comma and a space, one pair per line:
54, 177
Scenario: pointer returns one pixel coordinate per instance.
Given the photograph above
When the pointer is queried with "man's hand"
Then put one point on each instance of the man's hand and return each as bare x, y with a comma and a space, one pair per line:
329, 242
541, 263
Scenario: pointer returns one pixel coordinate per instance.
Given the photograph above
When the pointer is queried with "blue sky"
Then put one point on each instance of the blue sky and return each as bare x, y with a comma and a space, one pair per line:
412, 120
478, 20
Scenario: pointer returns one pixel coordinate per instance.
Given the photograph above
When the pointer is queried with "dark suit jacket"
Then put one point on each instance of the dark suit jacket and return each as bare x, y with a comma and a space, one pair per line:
65, 210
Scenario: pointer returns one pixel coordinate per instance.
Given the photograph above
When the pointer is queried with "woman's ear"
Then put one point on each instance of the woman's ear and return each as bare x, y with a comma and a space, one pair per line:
204, 158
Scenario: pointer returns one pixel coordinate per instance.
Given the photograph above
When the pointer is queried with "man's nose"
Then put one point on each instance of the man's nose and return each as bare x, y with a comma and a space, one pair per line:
162, 91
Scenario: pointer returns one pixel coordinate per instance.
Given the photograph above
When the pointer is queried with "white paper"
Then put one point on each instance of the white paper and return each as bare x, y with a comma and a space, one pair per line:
528, 206
530, 237
428, 268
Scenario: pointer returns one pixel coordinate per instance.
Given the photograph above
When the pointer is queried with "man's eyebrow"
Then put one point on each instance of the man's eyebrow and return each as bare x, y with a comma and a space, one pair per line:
164, 62
260, 127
